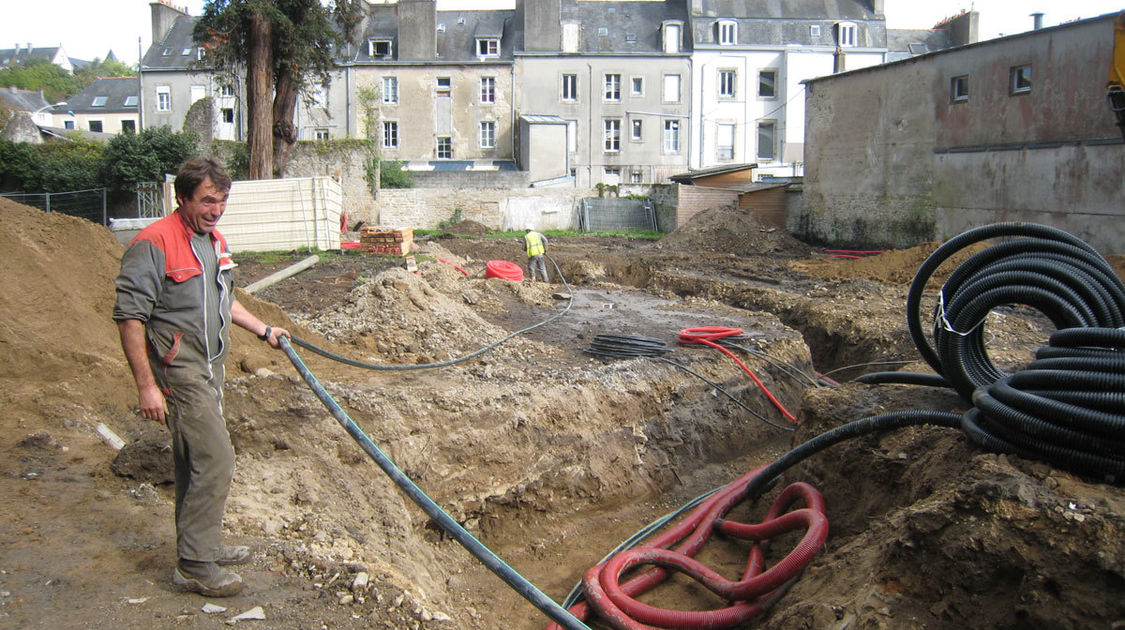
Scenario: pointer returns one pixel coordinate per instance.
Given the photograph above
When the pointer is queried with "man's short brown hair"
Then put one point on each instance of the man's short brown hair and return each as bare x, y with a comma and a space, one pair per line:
194, 171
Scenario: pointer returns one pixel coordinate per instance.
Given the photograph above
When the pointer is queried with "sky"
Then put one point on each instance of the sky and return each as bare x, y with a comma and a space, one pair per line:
87, 29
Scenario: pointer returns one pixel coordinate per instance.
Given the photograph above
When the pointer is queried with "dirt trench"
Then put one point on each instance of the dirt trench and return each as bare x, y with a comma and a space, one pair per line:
550, 456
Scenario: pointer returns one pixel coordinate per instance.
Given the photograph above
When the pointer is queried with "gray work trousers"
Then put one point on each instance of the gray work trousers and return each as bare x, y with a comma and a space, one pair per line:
537, 263
204, 460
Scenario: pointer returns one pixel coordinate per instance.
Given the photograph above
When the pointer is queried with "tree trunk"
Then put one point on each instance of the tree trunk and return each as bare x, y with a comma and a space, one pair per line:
259, 81
284, 108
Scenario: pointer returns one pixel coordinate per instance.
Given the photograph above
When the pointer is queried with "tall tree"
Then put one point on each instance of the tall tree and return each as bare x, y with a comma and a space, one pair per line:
287, 48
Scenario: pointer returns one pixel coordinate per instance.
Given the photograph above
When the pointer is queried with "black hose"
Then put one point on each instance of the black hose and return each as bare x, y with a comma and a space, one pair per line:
1048, 256
520, 584
902, 378
1068, 406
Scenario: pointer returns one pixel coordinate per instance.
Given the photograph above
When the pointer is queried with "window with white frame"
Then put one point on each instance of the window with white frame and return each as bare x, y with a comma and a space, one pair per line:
727, 32
569, 90
636, 177
637, 127
1020, 81
68, 124
613, 87
487, 134
390, 90
163, 98
226, 91
444, 148
99, 101
95, 125
845, 34
612, 135
637, 86
724, 141
379, 48
671, 93
128, 126
390, 134
488, 47
671, 136
443, 85
767, 140
226, 114
130, 101
728, 83
959, 88
767, 84
612, 174
814, 31
488, 89
320, 134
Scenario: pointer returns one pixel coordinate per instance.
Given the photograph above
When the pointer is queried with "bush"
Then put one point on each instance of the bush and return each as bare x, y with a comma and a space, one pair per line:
145, 157
391, 174
51, 167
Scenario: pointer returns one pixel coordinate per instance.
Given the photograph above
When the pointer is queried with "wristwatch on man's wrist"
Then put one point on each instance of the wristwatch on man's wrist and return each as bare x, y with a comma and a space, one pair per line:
266, 335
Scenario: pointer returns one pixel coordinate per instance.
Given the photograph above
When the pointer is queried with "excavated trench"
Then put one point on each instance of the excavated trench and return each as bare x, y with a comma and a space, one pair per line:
549, 456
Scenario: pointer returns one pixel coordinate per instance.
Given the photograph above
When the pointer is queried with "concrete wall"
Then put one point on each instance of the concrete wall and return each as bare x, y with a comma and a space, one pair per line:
895, 161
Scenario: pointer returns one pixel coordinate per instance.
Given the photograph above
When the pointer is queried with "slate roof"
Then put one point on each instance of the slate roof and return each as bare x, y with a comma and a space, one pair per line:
115, 90
22, 100
624, 27
13, 57
781, 22
168, 53
907, 43
456, 36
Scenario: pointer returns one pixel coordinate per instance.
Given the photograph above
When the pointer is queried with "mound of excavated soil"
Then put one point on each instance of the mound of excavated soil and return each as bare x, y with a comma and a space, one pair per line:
467, 227
894, 266
733, 231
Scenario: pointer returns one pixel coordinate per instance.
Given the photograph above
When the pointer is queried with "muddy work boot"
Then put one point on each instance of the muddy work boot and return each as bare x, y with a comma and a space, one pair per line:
206, 578
232, 554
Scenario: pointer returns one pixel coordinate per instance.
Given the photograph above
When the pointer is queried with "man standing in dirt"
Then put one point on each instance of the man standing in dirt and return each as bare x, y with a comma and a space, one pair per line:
536, 245
174, 309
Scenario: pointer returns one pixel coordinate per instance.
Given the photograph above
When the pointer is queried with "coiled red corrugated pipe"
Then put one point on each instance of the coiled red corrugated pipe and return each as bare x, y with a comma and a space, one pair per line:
615, 603
708, 335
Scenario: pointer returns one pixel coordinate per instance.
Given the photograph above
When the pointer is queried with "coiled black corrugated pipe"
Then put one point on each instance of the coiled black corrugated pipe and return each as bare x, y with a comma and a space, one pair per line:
1068, 406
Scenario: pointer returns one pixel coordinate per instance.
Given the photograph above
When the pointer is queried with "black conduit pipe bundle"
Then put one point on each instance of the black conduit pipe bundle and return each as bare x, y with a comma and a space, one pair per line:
1068, 406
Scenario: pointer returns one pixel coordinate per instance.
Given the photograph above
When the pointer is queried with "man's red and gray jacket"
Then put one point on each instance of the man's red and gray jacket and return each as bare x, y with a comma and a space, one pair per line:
178, 283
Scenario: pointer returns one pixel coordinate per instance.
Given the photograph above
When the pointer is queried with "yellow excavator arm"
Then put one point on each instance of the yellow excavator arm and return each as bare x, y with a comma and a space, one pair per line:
1115, 88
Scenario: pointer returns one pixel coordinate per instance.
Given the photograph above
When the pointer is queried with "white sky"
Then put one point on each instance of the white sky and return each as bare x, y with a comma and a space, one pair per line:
88, 29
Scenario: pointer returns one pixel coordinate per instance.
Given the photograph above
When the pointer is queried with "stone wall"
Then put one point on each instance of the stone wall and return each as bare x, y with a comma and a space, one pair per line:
495, 208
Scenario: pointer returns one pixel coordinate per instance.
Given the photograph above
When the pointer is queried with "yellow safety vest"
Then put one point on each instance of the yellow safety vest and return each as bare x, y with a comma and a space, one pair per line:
534, 242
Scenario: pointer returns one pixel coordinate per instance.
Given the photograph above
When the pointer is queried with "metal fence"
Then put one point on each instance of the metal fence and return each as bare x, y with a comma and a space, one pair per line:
87, 204
611, 215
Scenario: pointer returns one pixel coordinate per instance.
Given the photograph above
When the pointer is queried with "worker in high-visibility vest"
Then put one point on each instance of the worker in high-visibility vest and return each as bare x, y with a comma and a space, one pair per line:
536, 245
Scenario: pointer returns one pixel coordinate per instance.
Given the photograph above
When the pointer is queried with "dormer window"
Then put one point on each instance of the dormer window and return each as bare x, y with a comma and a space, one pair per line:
200, 53
488, 47
379, 48
671, 32
727, 32
845, 34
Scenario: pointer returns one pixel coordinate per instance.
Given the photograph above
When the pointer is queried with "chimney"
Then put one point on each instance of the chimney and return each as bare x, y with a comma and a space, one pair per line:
1036, 21
878, 6
163, 17
541, 24
417, 30
697, 7
839, 61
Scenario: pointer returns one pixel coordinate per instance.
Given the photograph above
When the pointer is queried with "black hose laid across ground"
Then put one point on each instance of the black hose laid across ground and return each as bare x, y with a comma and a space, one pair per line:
489, 559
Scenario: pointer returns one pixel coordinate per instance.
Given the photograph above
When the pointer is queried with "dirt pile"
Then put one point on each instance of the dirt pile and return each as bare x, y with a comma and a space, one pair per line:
548, 456
468, 227
733, 231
